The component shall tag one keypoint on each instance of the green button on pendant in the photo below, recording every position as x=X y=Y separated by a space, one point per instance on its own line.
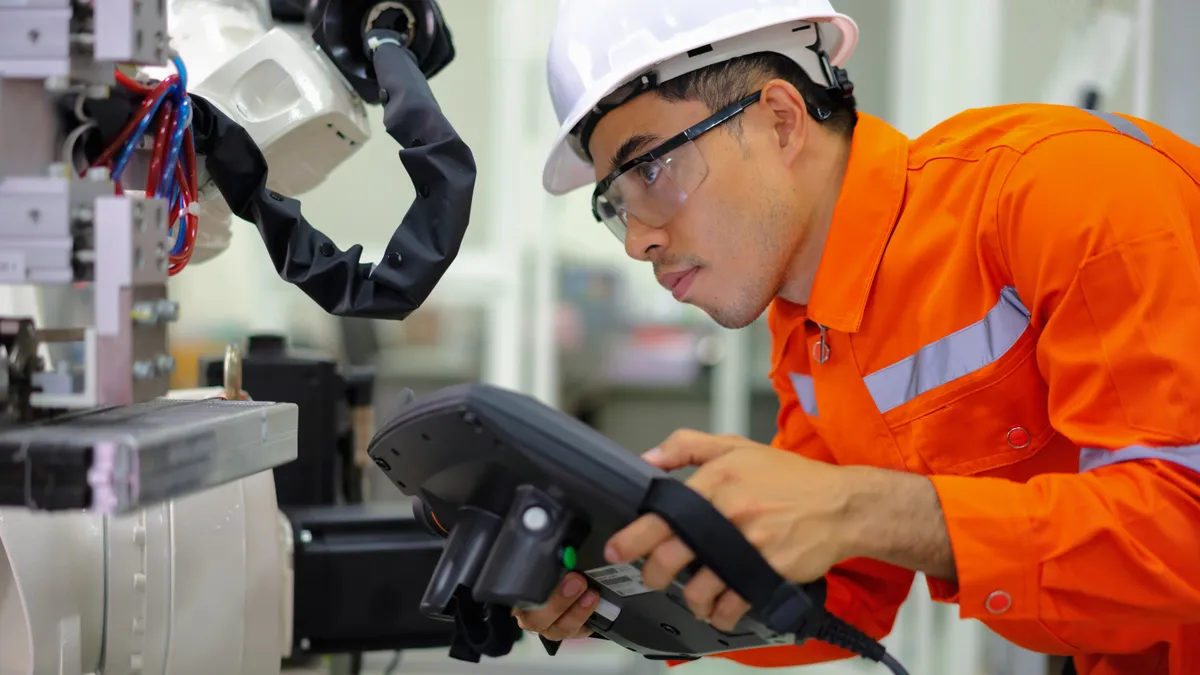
x=568 y=557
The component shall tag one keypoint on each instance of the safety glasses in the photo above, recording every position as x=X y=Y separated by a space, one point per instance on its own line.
x=651 y=187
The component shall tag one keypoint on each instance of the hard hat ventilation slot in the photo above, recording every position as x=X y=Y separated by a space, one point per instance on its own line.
x=700 y=50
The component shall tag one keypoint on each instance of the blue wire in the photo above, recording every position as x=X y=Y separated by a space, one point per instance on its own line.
x=136 y=138
x=183 y=119
x=175 y=194
x=180 y=223
x=183 y=76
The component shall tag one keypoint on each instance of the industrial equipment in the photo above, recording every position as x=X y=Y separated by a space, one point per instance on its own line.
x=142 y=530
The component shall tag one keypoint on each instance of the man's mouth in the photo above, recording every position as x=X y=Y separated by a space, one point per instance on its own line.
x=679 y=282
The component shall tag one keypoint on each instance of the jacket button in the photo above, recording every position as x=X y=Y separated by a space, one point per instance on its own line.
x=998 y=602
x=820 y=351
x=1018 y=437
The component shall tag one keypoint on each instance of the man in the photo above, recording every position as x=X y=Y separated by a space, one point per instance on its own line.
x=985 y=338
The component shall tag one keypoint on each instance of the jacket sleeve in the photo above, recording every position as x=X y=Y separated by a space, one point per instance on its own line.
x=867 y=593
x=1098 y=232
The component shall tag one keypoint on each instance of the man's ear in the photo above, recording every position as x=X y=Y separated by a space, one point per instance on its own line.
x=788 y=117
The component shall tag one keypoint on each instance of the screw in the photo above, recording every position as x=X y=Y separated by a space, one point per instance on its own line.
x=168 y=310
x=305 y=538
x=34 y=216
x=144 y=312
x=381 y=463
x=143 y=370
x=305 y=644
x=34 y=34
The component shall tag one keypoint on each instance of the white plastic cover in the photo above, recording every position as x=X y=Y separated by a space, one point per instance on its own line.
x=274 y=82
x=599 y=45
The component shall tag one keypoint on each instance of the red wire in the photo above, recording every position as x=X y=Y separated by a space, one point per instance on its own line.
x=185 y=166
x=162 y=140
x=132 y=84
x=127 y=131
x=187 y=182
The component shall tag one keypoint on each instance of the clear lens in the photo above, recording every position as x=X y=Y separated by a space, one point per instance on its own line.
x=652 y=192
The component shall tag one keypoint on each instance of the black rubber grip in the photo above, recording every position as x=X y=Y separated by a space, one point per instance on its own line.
x=715 y=541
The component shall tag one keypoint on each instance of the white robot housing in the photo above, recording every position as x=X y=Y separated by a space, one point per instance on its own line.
x=273 y=81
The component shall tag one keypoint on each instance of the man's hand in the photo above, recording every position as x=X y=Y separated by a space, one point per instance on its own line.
x=792 y=509
x=565 y=613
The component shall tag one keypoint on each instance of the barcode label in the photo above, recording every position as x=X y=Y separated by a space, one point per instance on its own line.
x=624 y=580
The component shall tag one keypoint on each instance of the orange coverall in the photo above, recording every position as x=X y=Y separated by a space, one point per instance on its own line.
x=1011 y=304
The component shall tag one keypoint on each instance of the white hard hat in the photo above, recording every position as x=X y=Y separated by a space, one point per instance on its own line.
x=599 y=46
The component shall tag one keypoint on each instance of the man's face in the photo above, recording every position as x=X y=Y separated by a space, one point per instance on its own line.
x=726 y=249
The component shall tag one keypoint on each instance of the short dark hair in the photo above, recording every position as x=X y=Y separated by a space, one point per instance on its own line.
x=721 y=84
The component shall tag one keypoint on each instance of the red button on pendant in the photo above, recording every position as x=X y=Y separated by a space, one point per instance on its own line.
x=1018 y=437
x=998 y=602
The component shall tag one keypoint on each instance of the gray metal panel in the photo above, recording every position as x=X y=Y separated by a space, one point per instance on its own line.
x=163 y=449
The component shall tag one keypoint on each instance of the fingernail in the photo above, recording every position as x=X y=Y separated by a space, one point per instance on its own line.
x=611 y=555
x=589 y=598
x=572 y=586
x=653 y=455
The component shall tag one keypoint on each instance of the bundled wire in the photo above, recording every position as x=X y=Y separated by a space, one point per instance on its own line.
x=166 y=112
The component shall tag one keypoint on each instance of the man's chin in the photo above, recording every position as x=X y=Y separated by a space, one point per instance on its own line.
x=731 y=319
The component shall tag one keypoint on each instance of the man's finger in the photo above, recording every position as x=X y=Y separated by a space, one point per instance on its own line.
x=686 y=448
x=665 y=563
x=569 y=590
x=571 y=624
x=637 y=540
x=702 y=592
x=730 y=609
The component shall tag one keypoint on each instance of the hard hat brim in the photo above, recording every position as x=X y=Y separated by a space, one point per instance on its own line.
x=565 y=171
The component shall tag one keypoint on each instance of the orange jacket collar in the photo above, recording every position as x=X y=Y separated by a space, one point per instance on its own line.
x=866 y=212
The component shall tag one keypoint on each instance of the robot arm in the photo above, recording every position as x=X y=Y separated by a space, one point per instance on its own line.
x=420 y=250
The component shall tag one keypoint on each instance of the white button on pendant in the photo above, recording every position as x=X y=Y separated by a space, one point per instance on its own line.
x=535 y=518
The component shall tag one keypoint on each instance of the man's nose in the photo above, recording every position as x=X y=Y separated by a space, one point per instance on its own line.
x=641 y=239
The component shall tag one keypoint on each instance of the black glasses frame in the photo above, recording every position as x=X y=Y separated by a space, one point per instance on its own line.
x=686 y=136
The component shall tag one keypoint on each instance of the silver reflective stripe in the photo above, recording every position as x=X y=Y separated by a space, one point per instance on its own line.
x=1185 y=456
x=803 y=384
x=1124 y=126
x=951 y=357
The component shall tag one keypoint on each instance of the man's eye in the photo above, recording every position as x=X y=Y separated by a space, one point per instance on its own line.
x=648 y=172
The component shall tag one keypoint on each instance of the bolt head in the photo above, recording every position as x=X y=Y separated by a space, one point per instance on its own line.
x=305 y=537
x=168 y=310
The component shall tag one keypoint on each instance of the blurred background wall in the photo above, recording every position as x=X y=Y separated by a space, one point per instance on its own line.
x=542 y=298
